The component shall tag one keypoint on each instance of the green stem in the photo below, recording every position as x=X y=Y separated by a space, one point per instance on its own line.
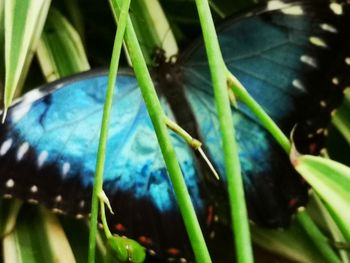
x=104 y=219
x=157 y=117
x=341 y=118
x=193 y=142
x=265 y=119
x=319 y=240
x=104 y=129
x=239 y=215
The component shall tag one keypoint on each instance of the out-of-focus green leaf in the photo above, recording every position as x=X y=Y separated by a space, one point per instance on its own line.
x=8 y=215
x=57 y=240
x=77 y=232
x=24 y=20
x=331 y=181
x=291 y=243
x=60 y=50
x=152 y=28
x=318 y=238
x=76 y=17
x=2 y=45
x=319 y=213
x=341 y=119
x=36 y=238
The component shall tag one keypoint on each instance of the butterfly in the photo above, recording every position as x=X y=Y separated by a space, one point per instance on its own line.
x=291 y=57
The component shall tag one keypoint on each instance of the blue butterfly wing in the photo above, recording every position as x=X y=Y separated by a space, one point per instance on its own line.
x=287 y=59
x=49 y=145
x=49 y=142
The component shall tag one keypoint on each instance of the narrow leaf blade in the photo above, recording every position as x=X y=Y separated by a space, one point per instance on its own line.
x=331 y=180
x=24 y=21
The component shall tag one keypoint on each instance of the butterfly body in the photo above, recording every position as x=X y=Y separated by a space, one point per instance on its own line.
x=49 y=141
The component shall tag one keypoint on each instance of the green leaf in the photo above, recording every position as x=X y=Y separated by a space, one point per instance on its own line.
x=76 y=17
x=151 y=32
x=331 y=181
x=24 y=21
x=2 y=44
x=37 y=238
x=9 y=209
x=60 y=50
x=126 y=250
x=341 y=119
x=77 y=232
x=291 y=243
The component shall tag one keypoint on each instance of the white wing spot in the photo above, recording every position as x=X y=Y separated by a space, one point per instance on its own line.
x=57 y=211
x=212 y=234
x=272 y=5
x=22 y=150
x=65 y=168
x=58 y=198
x=10 y=183
x=183 y=260
x=20 y=112
x=335 y=81
x=82 y=204
x=168 y=76
x=294 y=11
x=319 y=130
x=42 y=158
x=317 y=42
x=32 y=201
x=297 y=84
x=5 y=146
x=151 y=252
x=323 y=103
x=309 y=60
x=34 y=189
x=79 y=216
x=328 y=28
x=336 y=8
x=7 y=196
x=347 y=60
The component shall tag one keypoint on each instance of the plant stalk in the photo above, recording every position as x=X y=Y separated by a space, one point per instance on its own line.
x=239 y=215
x=97 y=189
x=157 y=117
x=265 y=119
